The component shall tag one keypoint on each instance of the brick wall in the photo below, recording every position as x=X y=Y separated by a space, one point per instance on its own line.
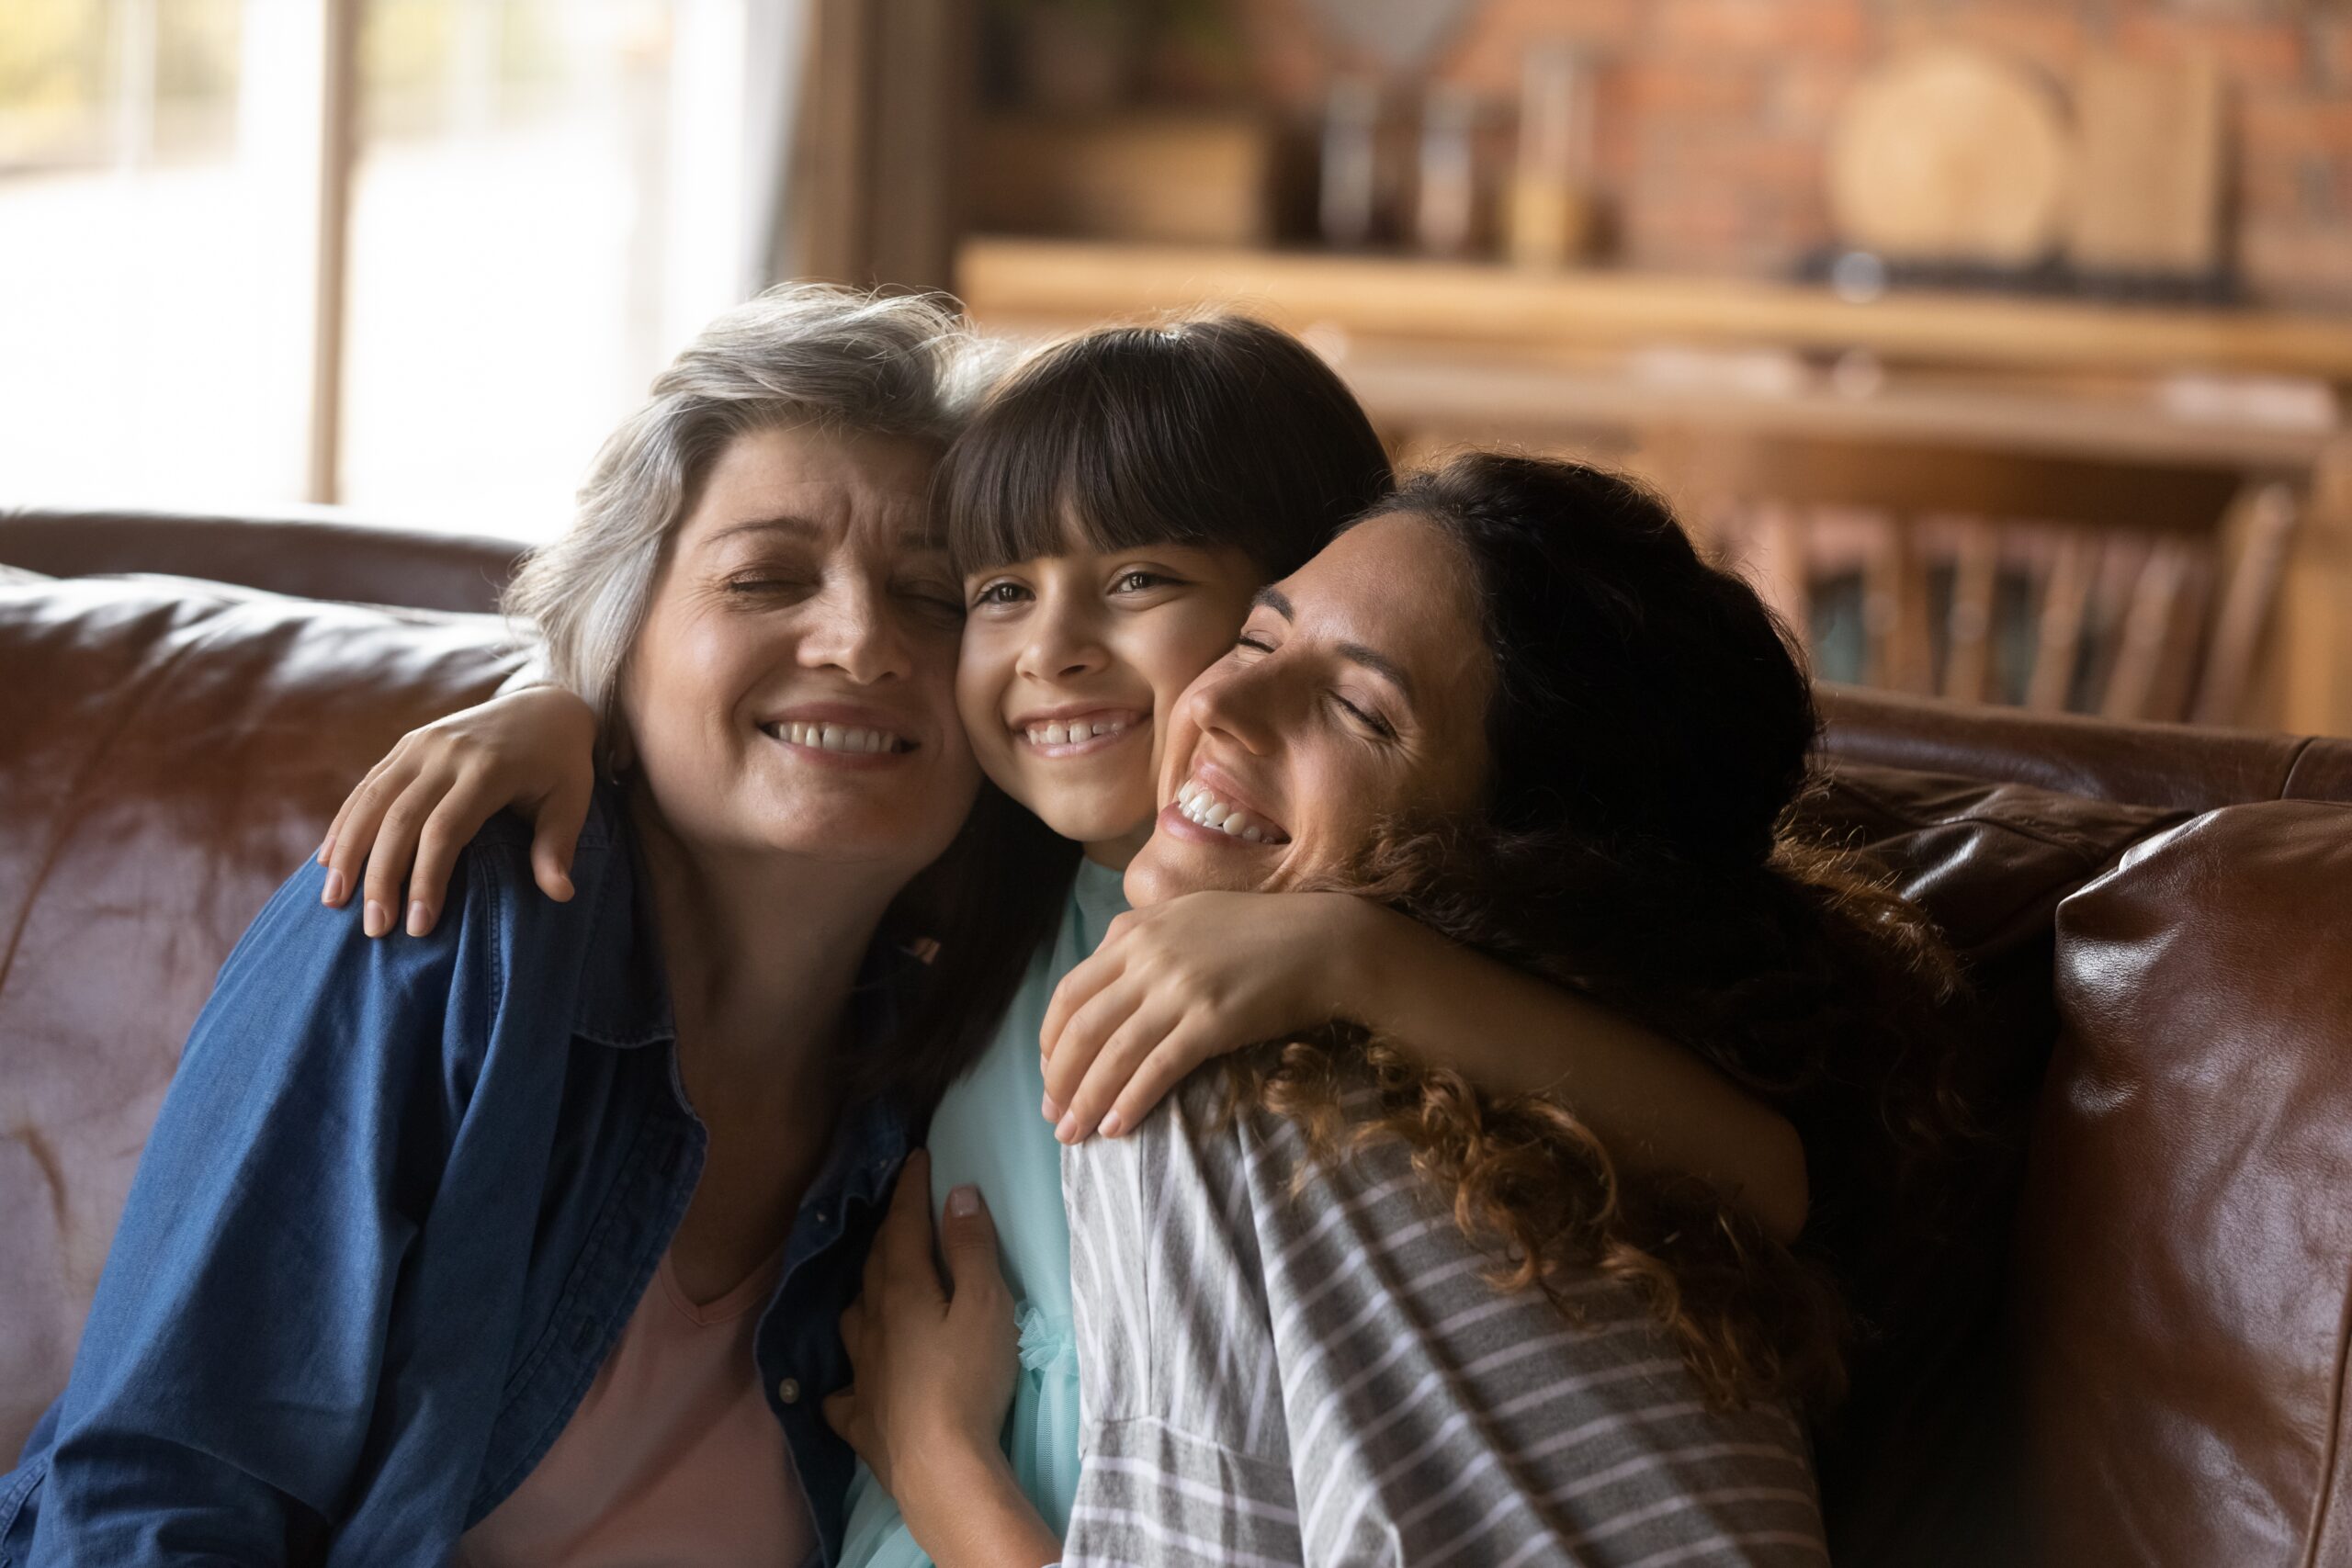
x=1715 y=112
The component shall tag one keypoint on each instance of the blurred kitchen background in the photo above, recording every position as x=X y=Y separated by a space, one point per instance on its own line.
x=2003 y=340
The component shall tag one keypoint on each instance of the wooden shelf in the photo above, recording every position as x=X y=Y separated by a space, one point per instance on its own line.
x=1012 y=280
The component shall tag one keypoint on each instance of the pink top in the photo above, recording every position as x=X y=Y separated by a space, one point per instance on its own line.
x=672 y=1457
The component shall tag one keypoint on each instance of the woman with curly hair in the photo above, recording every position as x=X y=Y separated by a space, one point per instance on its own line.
x=1338 y=1304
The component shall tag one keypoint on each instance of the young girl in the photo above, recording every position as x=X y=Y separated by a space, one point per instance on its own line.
x=1113 y=508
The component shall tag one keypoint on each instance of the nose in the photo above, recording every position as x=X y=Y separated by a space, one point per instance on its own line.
x=855 y=628
x=1239 y=703
x=1063 y=642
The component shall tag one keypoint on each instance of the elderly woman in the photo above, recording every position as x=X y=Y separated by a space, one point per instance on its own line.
x=461 y=1247
x=1335 y=1306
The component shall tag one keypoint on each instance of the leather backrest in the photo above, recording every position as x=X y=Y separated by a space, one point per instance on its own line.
x=317 y=552
x=1917 y=1467
x=169 y=752
x=2187 y=1249
x=2179 y=765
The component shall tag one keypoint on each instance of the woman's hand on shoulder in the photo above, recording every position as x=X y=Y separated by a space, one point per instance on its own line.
x=532 y=750
x=933 y=1368
x=1179 y=983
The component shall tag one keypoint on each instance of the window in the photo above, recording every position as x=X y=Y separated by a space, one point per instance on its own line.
x=544 y=197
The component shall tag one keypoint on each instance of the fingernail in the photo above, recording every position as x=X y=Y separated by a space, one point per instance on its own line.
x=326 y=847
x=1067 y=1128
x=964 y=1203
x=420 y=919
x=332 y=892
x=1111 y=1125
x=1051 y=1108
x=375 y=919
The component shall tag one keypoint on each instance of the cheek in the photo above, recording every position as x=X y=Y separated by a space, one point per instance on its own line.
x=980 y=678
x=1175 y=658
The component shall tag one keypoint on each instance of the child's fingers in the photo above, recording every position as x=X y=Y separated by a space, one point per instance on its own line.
x=353 y=833
x=344 y=808
x=445 y=831
x=393 y=854
x=555 y=836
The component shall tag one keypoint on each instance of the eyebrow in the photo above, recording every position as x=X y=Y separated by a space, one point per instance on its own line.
x=1379 y=663
x=928 y=540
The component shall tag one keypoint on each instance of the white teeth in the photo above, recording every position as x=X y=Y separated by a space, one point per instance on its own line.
x=1067 y=734
x=1195 y=801
x=839 y=738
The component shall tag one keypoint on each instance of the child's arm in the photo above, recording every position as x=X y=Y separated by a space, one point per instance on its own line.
x=1205 y=974
x=531 y=748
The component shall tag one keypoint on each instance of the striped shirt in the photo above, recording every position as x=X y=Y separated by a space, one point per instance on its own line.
x=1272 y=1377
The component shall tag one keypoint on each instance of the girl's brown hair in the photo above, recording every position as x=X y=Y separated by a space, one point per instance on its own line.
x=1215 y=431
x=1649 y=736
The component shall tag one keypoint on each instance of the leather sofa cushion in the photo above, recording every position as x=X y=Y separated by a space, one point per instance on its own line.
x=169 y=751
x=1917 y=1468
x=2188 y=1237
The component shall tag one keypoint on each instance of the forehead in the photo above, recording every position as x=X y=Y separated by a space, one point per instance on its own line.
x=843 y=486
x=1399 y=585
x=1399 y=574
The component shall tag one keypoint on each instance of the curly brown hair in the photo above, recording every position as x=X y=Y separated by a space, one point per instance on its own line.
x=1649 y=736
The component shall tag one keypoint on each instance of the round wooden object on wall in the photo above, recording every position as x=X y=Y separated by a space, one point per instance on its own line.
x=1949 y=153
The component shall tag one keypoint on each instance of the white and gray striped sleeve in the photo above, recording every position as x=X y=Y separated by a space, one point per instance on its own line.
x=1285 y=1373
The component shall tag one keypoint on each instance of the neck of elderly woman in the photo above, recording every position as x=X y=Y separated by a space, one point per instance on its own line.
x=762 y=949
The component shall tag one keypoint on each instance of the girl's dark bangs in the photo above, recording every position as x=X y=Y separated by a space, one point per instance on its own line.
x=1050 y=469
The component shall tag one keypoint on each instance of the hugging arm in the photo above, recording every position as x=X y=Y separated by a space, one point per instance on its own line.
x=531 y=748
x=1179 y=982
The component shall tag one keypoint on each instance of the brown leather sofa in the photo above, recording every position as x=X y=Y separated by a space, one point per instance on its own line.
x=2139 y=1353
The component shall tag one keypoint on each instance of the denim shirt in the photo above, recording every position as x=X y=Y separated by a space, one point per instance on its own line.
x=399 y=1204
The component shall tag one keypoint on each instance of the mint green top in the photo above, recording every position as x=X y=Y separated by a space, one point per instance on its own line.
x=990 y=1132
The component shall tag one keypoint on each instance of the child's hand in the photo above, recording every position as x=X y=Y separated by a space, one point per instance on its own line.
x=935 y=1370
x=1181 y=982
x=534 y=751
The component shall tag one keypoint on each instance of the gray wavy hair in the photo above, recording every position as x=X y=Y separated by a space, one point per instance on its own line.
x=800 y=353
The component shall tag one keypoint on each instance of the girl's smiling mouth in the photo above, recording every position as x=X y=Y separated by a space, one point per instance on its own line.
x=1084 y=733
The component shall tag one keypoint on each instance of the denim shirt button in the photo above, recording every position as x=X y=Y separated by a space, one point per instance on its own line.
x=788 y=1390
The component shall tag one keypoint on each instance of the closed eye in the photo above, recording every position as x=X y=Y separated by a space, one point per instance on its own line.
x=1370 y=720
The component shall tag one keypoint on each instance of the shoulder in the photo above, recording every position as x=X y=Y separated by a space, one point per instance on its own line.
x=302 y=967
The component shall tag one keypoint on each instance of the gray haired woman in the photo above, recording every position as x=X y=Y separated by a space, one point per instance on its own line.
x=453 y=1249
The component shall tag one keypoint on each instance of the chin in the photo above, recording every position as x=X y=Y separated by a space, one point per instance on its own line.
x=1162 y=871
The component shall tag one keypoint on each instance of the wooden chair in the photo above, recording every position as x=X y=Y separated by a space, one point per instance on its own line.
x=2150 y=588
x=2059 y=582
